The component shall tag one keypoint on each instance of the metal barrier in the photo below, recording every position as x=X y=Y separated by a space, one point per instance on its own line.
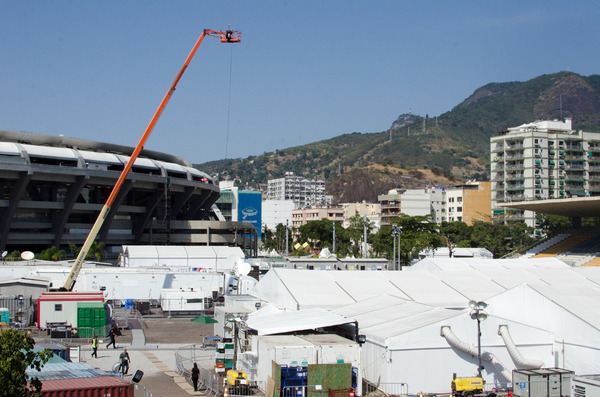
x=208 y=380
x=392 y=389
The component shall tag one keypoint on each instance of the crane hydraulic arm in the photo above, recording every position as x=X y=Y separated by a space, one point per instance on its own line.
x=228 y=36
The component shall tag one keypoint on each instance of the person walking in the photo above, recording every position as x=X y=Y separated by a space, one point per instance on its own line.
x=111 y=335
x=195 y=375
x=95 y=347
x=124 y=357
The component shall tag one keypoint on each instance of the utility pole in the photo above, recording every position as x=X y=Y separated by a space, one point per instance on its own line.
x=334 y=237
x=365 y=236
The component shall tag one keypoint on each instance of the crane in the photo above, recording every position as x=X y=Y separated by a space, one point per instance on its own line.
x=227 y=36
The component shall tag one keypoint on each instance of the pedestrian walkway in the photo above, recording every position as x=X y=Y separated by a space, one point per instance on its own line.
x=179 y=380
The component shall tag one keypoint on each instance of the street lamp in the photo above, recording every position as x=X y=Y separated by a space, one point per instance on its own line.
x=397 y=232
x=478 y=314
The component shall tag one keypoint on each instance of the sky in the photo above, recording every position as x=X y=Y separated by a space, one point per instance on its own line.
x=306 y=70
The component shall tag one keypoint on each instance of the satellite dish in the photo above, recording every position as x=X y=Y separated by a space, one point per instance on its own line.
x=4 y=254
x=27 y=255
x=244 y=268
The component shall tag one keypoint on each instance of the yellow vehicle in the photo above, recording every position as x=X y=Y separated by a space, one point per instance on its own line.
x=466 y=387
x=236 y=377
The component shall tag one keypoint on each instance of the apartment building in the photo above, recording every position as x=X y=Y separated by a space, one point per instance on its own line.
x=302 y=191
x=302 y=216
x=371 y=210
x=468 y=202
x=542 y=160
x=390 y=206
x=459 y=203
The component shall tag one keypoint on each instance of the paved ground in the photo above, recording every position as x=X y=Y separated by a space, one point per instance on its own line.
x=152 y=345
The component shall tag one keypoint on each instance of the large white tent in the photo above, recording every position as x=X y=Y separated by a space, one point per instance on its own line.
x=418 y=325
x=209 y=258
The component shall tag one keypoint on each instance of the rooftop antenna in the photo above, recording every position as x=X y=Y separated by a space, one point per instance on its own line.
x=560 y=104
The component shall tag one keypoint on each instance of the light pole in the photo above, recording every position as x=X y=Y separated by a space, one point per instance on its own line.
x=287 y=251
x=399 y=250
x=394 y=249
x=334 y=237
x=397 y=232
x=365 y=236
x=478 y=314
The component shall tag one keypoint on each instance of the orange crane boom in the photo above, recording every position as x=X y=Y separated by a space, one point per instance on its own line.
x=228 y=36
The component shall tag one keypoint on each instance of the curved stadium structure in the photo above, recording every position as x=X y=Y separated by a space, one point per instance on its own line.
x=53 y=188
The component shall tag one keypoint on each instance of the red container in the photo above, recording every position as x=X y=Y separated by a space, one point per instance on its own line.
x=88 y=387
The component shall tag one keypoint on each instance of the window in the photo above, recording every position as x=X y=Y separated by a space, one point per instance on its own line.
x=459 y=209
x=58 y=307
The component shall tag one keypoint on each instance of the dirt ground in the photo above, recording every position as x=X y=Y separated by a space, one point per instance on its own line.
x=156 y=330
x=175 y=330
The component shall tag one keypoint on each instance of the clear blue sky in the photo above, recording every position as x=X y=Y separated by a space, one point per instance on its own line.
x=305 y=70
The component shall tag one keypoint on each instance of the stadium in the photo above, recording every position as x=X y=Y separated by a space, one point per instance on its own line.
x=54 y=187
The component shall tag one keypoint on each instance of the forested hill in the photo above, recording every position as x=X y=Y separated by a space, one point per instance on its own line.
x=453 y=146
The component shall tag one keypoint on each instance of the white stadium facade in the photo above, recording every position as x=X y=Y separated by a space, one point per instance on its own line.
x=53 y=188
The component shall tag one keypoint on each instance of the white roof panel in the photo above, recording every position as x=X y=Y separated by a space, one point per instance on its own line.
x=51 y=152
x=139 y=162
x=382 y=332
x=426 y=287
x=382 y=309
x=9 y=148
x=371 y=284
x=102 y=158
x=309 y=287
x=581 y=300
x=480 y=286
x=299 y=320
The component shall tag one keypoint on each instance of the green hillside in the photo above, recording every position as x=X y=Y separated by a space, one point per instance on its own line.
x=454 y=144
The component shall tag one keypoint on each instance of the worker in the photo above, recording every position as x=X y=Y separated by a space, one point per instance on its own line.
x=95 y=347
x=124 y=358
x=492 y=393
x=112 y=334
x=195 y=376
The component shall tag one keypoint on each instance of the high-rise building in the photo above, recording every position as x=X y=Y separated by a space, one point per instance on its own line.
x=302 y=191
x=542 y=160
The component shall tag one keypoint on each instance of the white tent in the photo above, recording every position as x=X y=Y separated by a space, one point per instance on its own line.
x=418 y=325
x=207 y=258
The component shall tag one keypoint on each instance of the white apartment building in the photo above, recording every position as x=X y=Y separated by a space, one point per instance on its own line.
x=302 y=191
x=275 y=212
x=459 y=203
x=542 y=160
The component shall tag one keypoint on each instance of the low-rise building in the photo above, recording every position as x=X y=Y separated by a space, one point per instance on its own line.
x=304 y=215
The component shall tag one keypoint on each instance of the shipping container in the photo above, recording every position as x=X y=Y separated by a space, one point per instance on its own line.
x=61 y=307
x=543 y=382
x=99 y=386
x=91 y=319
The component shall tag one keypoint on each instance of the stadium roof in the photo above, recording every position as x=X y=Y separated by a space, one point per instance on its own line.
x=574 y=207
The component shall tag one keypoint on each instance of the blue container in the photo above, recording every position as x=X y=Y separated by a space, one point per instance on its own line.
x=4 y=315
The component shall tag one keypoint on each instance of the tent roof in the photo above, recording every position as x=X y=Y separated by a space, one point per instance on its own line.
x=482 y=263
x=299 y=320
x=451 y=289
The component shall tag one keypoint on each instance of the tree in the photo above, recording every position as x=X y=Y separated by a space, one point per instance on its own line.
x=16 y=355
x=418 y=234
x=553 y=224
x=97 y=250
x=52 y=254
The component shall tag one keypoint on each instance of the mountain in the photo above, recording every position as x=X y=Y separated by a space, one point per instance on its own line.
x=421 y=151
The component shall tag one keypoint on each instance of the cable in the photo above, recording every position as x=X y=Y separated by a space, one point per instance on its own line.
x=229 y=103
